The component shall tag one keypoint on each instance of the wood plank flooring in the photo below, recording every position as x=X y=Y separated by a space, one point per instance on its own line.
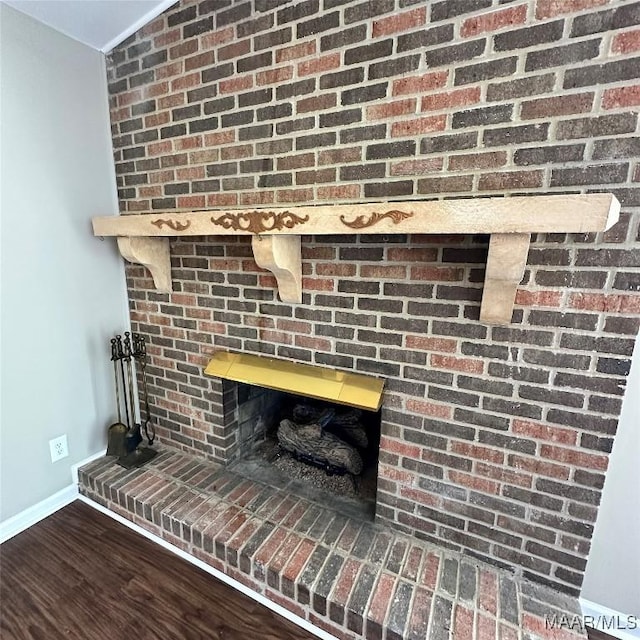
x=80 y=574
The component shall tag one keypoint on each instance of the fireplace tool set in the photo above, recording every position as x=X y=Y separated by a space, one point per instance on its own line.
x=124 y=438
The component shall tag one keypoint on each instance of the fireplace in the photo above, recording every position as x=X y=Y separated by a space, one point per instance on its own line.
x=494 y=439
x=317 y=426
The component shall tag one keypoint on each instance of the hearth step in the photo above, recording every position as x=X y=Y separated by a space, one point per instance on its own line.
x=352 y=578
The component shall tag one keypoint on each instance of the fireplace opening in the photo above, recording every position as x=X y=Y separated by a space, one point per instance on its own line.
x=316 y=448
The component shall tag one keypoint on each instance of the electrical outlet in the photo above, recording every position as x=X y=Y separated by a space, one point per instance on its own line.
x=59 y=448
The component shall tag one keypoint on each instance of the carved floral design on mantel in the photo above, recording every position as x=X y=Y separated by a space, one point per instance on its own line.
x=176 y=225
x=364 y=221
x=259 y=221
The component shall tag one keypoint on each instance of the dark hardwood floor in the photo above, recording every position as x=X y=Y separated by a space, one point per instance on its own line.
x=80 y=574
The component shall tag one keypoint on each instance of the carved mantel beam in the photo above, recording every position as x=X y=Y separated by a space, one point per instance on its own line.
x=526 y=214
x=276 y=233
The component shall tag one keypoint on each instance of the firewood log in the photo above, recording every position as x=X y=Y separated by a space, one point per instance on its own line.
x=345 y=425
x=316 y=443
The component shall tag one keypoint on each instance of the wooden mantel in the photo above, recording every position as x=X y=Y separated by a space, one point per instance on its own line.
x=276 y=233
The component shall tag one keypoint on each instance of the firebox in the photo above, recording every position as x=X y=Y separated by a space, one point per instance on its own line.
x=312 y=429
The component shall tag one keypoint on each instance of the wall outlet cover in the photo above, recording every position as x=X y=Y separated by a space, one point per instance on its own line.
x=59 y=448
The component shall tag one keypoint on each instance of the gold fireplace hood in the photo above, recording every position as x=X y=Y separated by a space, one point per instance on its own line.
x=341 y=387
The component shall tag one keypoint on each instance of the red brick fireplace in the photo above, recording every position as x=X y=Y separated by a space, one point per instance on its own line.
x=495 y=440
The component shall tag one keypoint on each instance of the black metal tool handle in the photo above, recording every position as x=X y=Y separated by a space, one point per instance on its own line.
x=127 y=359
x=120 y=356
x=114 y=358
x=141 y=356
x=139 y=346
x=133 y=437
x=114 y=350
x=127 y=346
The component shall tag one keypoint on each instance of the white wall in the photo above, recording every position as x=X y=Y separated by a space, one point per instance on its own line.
x=63 y=291
x=612 y=578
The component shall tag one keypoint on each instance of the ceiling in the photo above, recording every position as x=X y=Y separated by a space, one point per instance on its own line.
x=100 y=24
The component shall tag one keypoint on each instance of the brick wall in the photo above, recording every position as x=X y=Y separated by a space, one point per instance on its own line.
x=494 y=440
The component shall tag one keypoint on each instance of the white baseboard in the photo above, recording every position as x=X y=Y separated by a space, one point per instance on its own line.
x=606 y=620
x=25 y=519
x=276 y=608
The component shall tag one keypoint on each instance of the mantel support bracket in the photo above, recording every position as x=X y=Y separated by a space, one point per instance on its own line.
x=506 y=263
x=282 y=255
x=152 y=253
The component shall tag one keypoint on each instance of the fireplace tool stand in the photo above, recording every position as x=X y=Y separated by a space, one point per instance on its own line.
x=124 y=442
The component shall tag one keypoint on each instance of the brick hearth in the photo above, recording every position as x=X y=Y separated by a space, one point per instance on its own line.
x=352 y=578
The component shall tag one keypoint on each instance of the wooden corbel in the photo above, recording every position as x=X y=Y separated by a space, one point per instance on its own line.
x=506 y=263
x=282 y=255
x=152 y=253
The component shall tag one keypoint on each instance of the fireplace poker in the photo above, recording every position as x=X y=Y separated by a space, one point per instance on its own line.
x=120 y=356
x=140 y=354
x=133 y=437
x=117 y=430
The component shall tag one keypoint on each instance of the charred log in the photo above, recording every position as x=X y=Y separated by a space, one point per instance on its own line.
x=314 y=442
x=346 y=425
